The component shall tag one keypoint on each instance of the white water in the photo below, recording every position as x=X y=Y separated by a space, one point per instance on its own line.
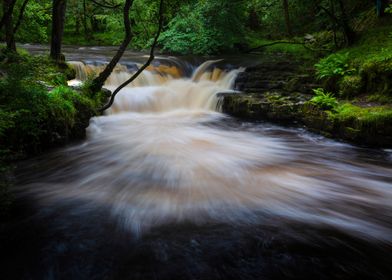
x=159 y=156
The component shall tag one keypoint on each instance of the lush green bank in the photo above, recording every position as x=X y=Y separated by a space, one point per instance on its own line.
x=346 y=95
x=362 y=125
x=38 y=110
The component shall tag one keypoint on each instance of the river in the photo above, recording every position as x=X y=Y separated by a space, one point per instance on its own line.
x=167 y=187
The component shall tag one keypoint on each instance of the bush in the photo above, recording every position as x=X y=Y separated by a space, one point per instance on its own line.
x=324 y=100
x=333 y=66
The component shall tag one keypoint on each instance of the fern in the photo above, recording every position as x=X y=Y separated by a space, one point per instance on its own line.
x=324 y=100
x=334 y=65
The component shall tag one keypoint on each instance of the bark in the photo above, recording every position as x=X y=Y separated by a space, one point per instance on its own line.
x=85 y=27
x=20 y=17
x=146 y=64
x=58 y=18
x=349 y=33
x=334 y=25
x=380 y=7
x=287 y=17
x=8 y=6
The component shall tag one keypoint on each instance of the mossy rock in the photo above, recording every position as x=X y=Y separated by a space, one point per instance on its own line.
x=377 y=75
x=351 y=86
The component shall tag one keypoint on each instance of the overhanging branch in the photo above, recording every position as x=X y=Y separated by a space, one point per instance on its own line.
x=145 y=65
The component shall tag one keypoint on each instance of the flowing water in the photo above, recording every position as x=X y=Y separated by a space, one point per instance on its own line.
x=167 y=187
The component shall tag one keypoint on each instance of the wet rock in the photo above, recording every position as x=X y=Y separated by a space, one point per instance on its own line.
x=294 y=109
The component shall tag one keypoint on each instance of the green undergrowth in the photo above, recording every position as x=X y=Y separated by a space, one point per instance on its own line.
x=376 y=115
x=38 y=110
x=362 y=69
x=346 y=112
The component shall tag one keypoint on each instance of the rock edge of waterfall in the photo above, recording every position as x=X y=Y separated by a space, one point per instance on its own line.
x=280 y=91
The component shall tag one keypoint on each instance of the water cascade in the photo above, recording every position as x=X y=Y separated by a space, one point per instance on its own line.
x=164 y=155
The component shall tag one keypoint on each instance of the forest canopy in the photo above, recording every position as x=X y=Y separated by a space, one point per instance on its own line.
x=199 y=26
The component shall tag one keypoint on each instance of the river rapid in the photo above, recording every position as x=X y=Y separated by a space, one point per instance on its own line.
x=167 y=187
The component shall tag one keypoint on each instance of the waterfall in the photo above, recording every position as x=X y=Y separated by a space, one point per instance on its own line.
x=164 y=88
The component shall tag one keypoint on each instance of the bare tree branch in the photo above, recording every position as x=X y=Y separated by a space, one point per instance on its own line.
x=105 y=5
x=272 y=44
x=304 y=44
x=141 y=69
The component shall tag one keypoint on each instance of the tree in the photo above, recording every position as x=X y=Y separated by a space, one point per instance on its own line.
x=7 y=22
x=205 y=27
x=58 y=18
x=380 y=7
x=349 y=33
x=8 y=9
x=98 y=82
x=287 y=17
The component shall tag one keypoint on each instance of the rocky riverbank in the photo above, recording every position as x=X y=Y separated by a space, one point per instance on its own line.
x=281 y=91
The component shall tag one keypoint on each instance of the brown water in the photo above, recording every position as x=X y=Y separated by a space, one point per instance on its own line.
x=166 y=187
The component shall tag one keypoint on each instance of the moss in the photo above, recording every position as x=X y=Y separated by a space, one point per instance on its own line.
x=350 y=86
x=35 y=114
x=377 y=73
x=379 y=98
x=370 y=125
x=375 y=116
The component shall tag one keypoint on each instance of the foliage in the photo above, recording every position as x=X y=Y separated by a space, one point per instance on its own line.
x=203 y=28
x=35 y=24
x=388 y=9
x=324 y=100
x=31 y=116
x=334 y=65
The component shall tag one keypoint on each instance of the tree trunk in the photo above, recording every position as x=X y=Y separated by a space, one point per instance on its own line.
x=98 y=82
x=85 y=27
x=287 y=17
x=349 y=33
x=380 y=7
x=8 y=8
x=145 y=65
x=58 y=18
x=334 y=27
x=20 y=17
